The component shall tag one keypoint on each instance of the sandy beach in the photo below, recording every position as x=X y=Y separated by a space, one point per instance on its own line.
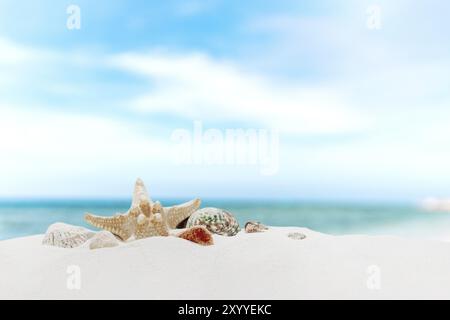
x=267 y=265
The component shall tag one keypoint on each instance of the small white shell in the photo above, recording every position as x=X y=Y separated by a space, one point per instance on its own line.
x=296 y=235
x=103 y=239
x=66 y=236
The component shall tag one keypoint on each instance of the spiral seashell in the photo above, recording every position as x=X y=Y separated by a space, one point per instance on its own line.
x=216 y=220
x=255 y=226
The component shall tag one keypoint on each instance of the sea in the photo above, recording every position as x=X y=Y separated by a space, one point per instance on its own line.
x=19 y=218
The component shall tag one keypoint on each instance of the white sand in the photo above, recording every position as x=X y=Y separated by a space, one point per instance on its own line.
x=249 y=266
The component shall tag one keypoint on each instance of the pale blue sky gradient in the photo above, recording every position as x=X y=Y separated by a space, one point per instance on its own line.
x=362 y=114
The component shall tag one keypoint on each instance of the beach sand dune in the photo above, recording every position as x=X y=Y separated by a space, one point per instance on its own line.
x=267 y=265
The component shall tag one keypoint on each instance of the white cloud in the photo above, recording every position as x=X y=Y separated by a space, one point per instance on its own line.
x=404 y=144
x=39 y=146
x=41 y=132
x=42 y=68
x=199 y=87
x=15 y=59
x=15 y=54
x=12 y=53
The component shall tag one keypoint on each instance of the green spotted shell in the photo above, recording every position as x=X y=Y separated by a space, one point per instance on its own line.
x=217 y=221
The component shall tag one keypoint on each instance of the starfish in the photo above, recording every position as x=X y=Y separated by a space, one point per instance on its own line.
x=145 y=218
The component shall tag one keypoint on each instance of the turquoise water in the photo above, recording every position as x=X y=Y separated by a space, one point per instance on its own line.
x=22 y=218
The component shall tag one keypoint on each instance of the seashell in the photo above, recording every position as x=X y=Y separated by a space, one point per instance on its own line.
x=103 y=239
x=198 y=234
x=216 y=220
x=296 y=236
x=255 y=226
x=66 y=236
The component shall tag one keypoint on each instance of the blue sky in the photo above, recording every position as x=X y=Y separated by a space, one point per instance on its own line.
x=361 y=113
